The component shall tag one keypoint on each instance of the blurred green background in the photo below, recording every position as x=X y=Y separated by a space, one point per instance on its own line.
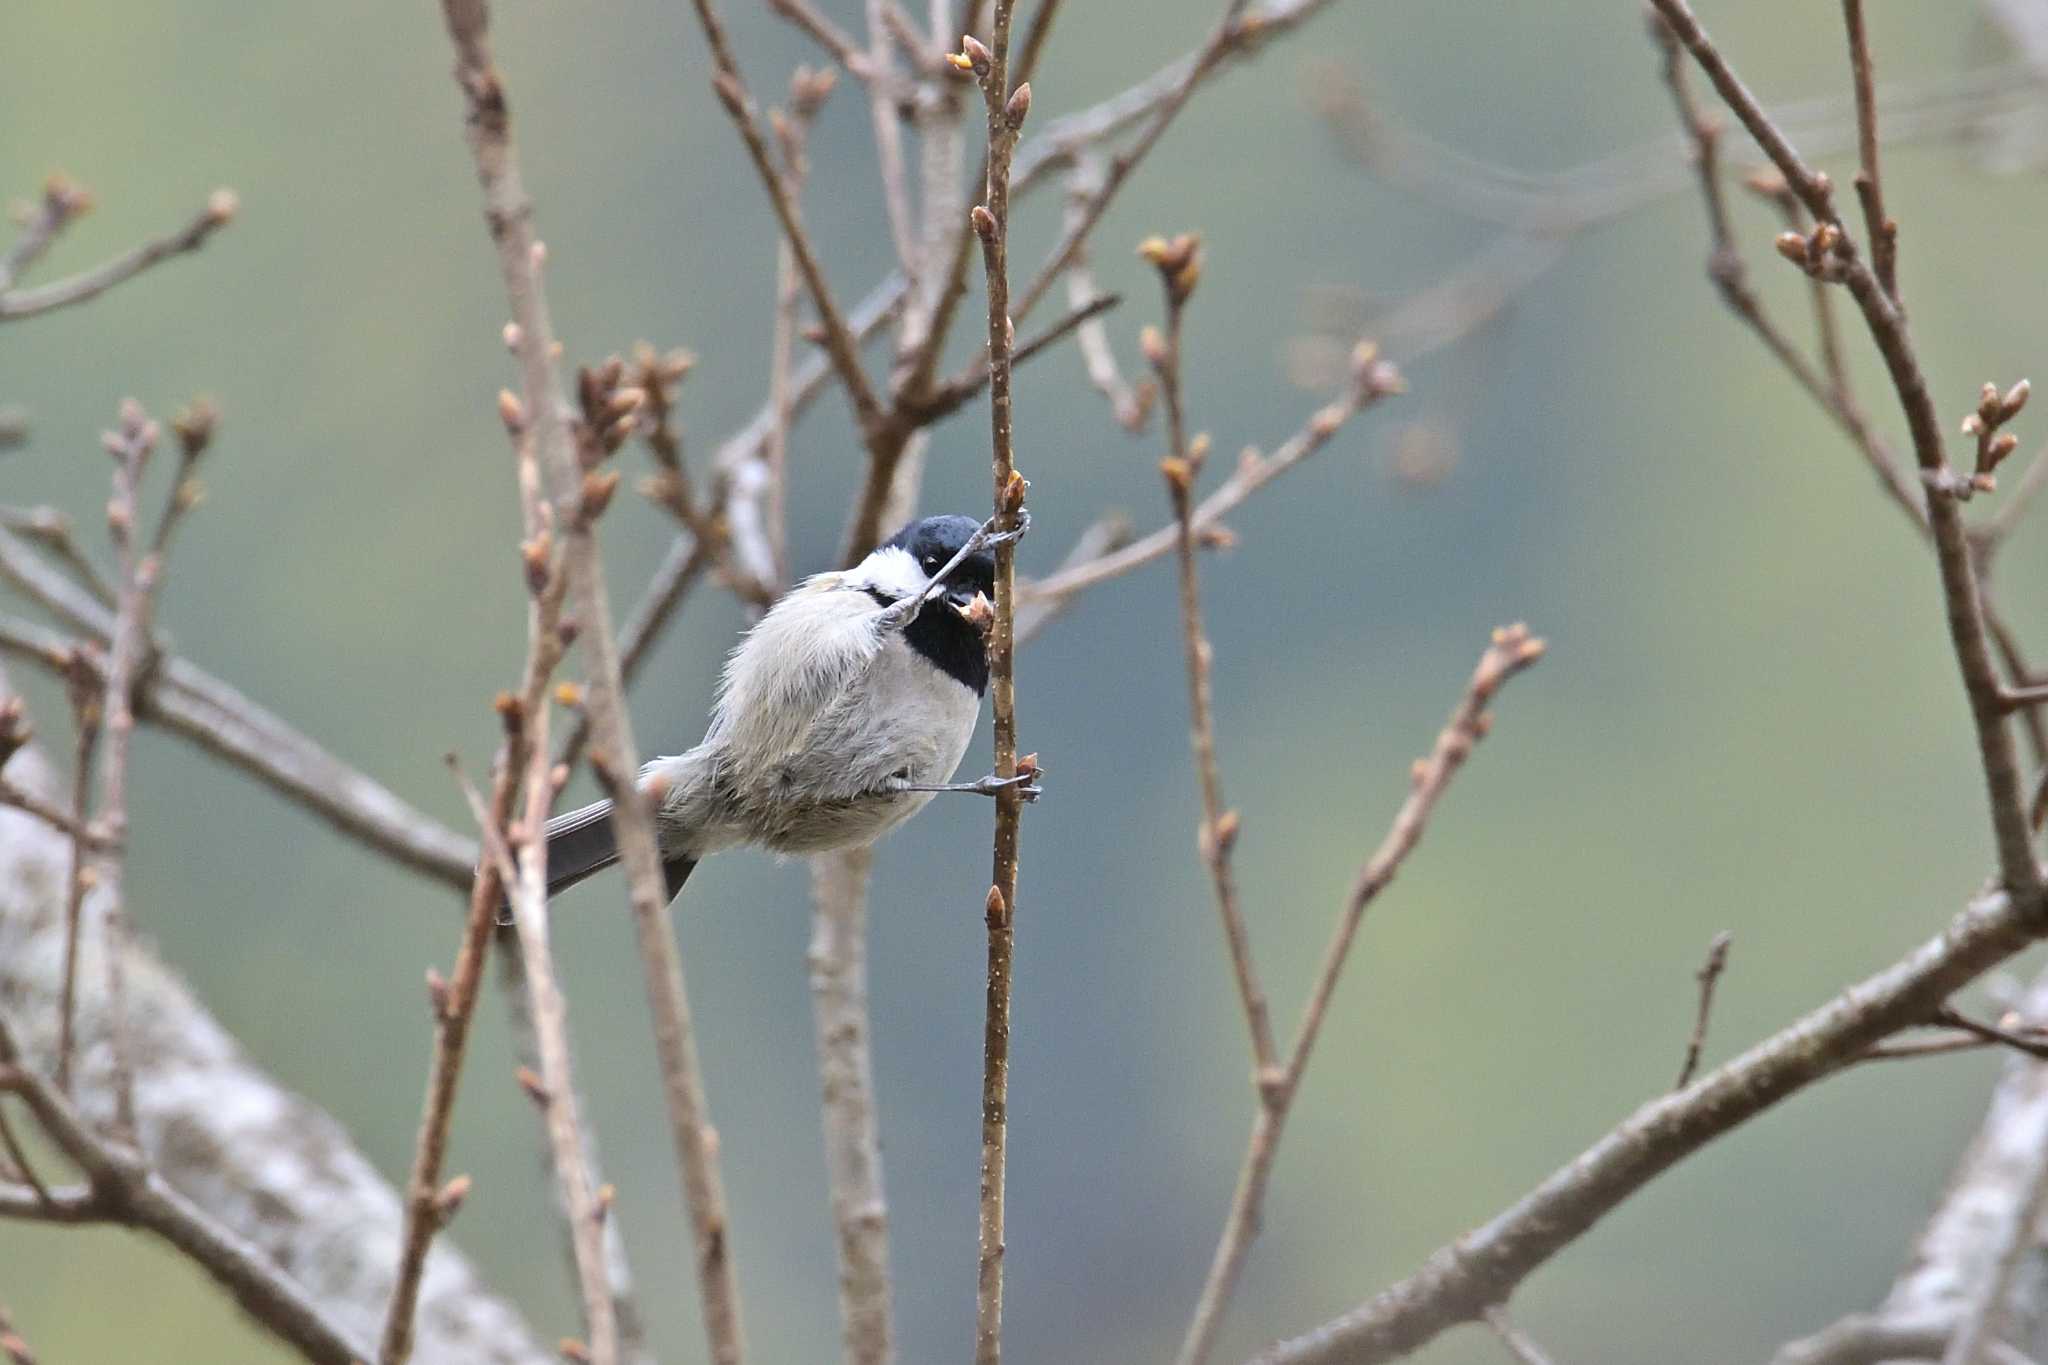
x=1749 y=719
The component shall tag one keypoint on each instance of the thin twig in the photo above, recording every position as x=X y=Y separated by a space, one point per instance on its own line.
x=1006 y=109
x=1518 y=1343
x=1372 y=380
x=63 y=201
x=1708 y=974
x=87 y=702
x=1834 y=254
x=52 y=529
x=1179 y=264
x=1512 y=650
x=613 y=754
x=12 y=1344
x=131 y=445
x=23 y=303
x=1882 y=231
x=840 y=343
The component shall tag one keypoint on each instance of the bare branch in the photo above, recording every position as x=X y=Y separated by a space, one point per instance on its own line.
x=853 y=1149
x=1834 y=255
x=1708 y=974
x=23 y=303
x=1006 y=109
x=121 y=1188
x=1511 y=651
x=519 y=257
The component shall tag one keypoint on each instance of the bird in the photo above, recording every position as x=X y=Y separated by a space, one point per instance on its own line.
x=839 y=715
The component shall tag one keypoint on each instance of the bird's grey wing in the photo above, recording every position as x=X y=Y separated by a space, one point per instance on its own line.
x=810 y=650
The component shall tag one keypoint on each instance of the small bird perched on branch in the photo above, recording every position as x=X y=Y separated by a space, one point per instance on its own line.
x=839 y=715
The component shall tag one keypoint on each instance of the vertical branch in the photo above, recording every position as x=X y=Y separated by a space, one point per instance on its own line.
x=546 y=643
x=81 y=683
x=1883 y=232
x=576 y=482
x=853 y=1149
x=131 y=445
x=1179 y=263
x=991 y=220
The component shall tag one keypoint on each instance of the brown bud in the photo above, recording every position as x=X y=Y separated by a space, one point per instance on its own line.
x=448 y=1200
x=1227 y=826
x=598 y=487
x=996 y=909
x=1019 y=107
x=815 y=333
x=512 y=336
x=437 y=994
x=1198 y=449
x=1216 y=536
x=2015 y=399
x=984 y=222
x=1179 y=475
x=222 y=206
x=1792 y=247
x=1324 y=424
x=1152 y=345
x=607 y=1195
x=1767 y=184
x=530 y=1081
x=533 y=557
x=1973 y=424
x=2002 y=445
x=194 y=424
x=511 y=411
x=508 y=709
x=568 y=694
x=573 y=1351
x=978 y=55
x=1013 y=493
x=1364 y=356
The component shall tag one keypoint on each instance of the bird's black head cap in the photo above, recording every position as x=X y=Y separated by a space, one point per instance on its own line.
x=939 y=632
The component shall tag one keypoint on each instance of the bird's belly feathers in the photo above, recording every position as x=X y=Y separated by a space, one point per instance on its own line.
x=902 y=720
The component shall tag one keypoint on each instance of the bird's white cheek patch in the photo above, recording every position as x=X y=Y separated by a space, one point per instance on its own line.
x=892 y=571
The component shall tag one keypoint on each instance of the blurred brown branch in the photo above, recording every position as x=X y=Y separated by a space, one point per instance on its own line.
x=62 y=202
x=579 y=490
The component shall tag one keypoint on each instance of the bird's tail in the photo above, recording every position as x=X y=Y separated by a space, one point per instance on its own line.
x=581 y=842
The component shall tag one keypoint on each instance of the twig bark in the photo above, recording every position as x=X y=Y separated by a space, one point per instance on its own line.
x=1512 y=650
x=1006 y=110
x=1518 y=1343
x=25 y=303
x=1179 y=264
x=853 y=1149
x=1484 y=1266
x=1708 y=974
x=121 y=1188
x=1835 y=255
x=509 y=214
x=278 y=1173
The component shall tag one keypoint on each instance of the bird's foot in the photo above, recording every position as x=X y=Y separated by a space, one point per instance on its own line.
x=1025 y=783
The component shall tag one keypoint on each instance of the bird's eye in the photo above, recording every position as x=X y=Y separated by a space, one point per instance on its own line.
x=931 y=563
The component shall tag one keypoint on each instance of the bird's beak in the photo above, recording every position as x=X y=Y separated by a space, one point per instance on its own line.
x=960 y=596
